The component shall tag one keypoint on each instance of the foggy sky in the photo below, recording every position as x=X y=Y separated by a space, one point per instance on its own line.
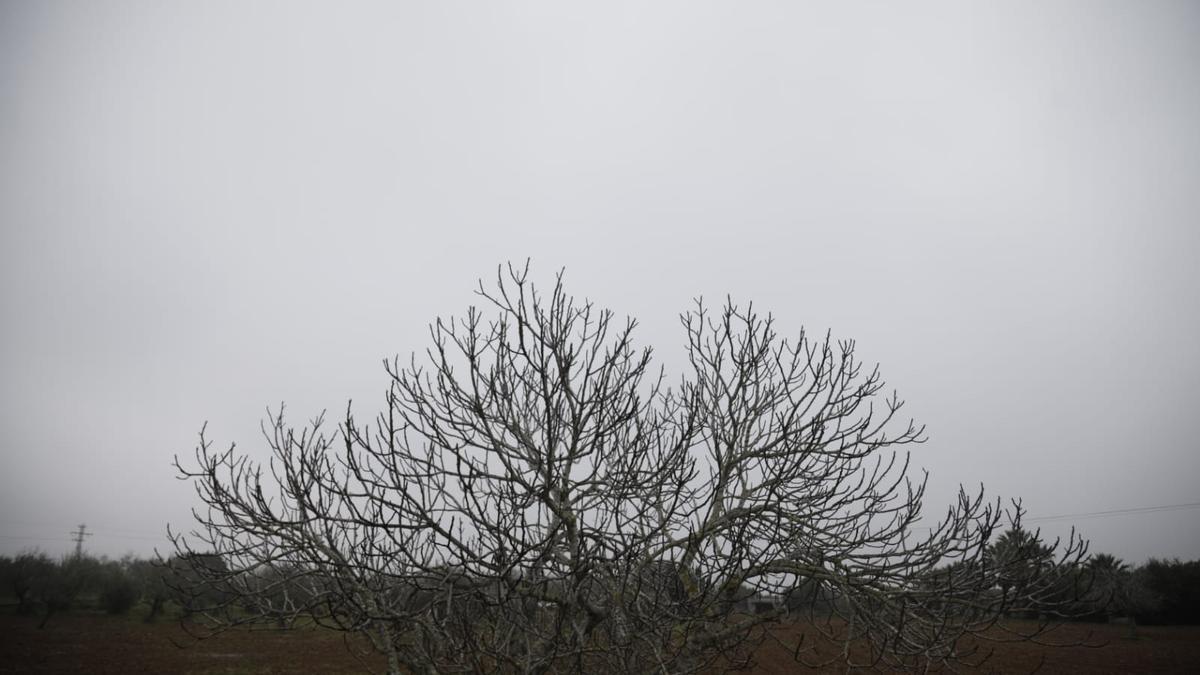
x=209 y=208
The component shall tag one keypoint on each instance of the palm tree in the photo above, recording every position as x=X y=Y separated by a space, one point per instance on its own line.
x=1018 y=554
x=1107 y=564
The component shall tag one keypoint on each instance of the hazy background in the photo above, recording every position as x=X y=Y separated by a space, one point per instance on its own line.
x=211 y=207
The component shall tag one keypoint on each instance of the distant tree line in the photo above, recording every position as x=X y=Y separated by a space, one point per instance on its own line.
x=1103 y=588
x=36 y=585
x=1158 y=592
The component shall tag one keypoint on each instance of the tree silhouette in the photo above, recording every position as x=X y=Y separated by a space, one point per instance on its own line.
x=1020 y=555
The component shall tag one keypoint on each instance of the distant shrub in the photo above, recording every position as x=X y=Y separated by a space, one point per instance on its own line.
x=1177 y=584
x=119 y=593
x=61 y=589
x=24 y=576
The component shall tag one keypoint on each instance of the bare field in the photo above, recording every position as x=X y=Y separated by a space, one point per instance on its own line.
x=1090 y=648
x=94 y=643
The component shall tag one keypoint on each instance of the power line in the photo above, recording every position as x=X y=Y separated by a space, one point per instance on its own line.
x=77 y=536
x=1089 y=515
x=106 y=535
x=17 y=536
x=104 y=532
x=120 y=533
x=1086 y=515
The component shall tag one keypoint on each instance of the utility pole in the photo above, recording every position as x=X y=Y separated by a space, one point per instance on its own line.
x=78 y=536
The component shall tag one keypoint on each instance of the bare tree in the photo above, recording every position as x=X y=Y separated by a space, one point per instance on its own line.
x=535 y=498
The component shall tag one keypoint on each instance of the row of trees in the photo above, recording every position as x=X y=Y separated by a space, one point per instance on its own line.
x=37 y=585
x=1103 y=588
x=1158 y=592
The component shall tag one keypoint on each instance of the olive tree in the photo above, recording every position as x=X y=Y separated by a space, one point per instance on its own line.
x=536 y=497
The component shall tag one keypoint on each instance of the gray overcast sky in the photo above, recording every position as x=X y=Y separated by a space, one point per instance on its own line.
x=211 y=207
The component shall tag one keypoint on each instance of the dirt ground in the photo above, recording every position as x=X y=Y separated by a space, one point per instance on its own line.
x=94 y=643
x=1081 y=648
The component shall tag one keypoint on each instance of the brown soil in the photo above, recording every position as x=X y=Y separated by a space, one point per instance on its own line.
x=94 y=643
x=1069 y=648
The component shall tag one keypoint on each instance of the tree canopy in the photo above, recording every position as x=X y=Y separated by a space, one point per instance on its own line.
x=536 y=497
